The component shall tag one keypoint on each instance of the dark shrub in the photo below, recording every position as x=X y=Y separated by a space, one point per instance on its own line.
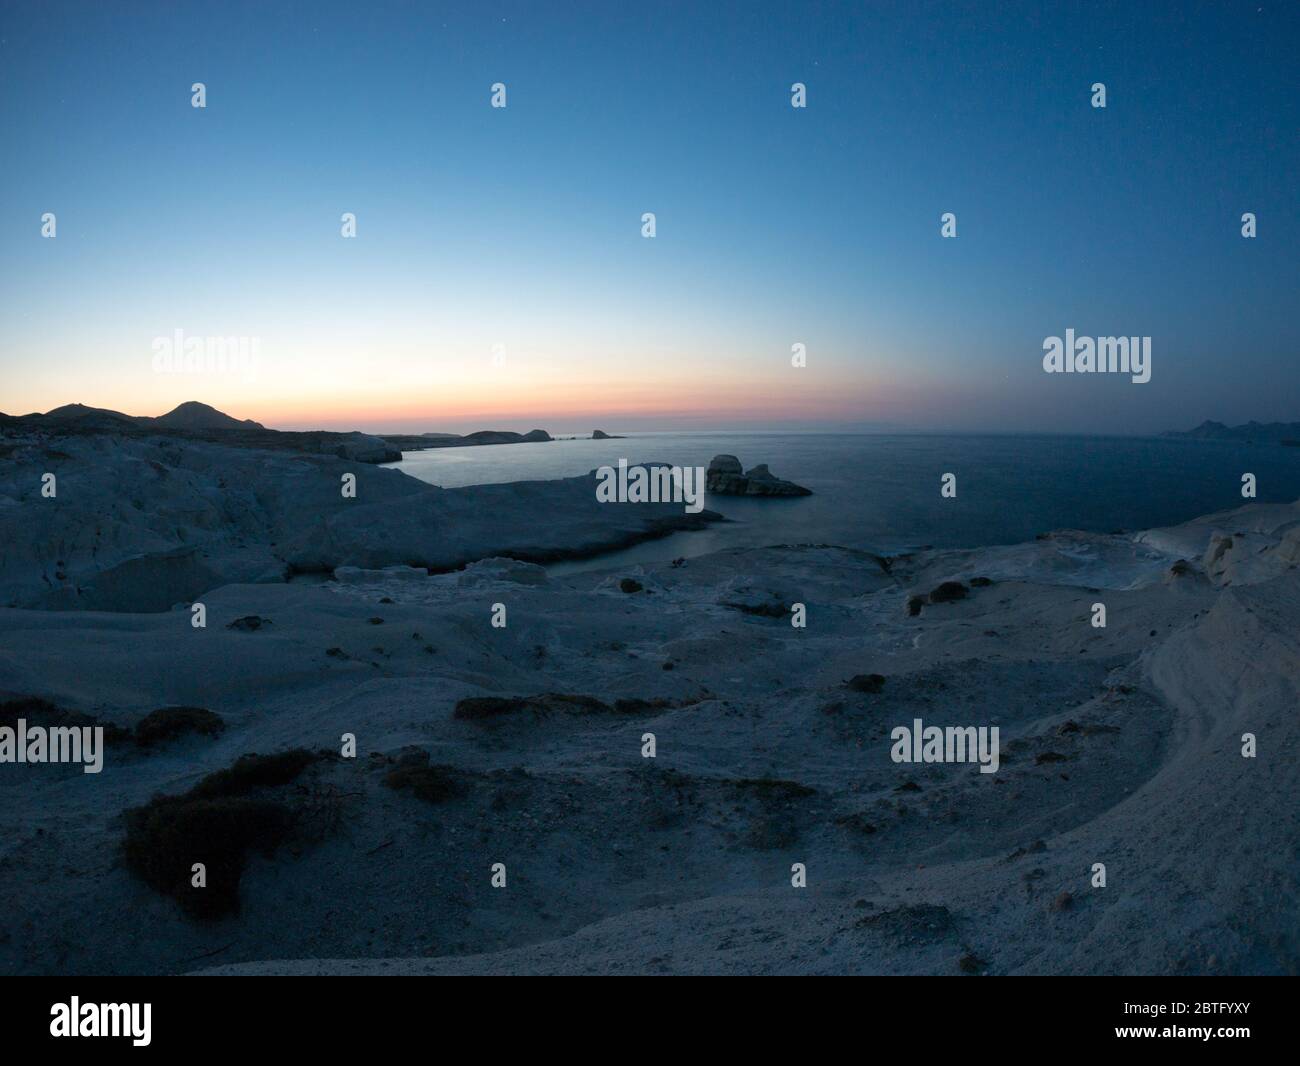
x=632 y=705
x=167 y=723
x=254 y=771
x=166 y=836
x=41 y=712
x=476 y=708
x=774 y=788
x=763 y=610
x=948 y=591
x=215 y=823
x=433 y=784
x=563 y=701
x=916 y=924
x=866 y=682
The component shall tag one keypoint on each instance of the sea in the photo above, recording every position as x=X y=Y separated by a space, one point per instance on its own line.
x=882 y=492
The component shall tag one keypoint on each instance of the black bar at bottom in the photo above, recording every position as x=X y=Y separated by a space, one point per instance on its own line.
x=333 y=1015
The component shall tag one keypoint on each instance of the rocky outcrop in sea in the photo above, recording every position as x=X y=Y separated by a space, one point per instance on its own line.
x=726 y=477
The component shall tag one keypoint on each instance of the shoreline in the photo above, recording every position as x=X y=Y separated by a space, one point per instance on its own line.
x=146 y=524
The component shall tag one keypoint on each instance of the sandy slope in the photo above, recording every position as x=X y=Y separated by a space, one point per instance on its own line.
x=765 y=758
x=140 y=525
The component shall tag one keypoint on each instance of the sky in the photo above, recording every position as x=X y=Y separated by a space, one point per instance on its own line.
x=499 y=277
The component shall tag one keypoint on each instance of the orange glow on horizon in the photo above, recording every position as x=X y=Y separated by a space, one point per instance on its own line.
x=528 y=395
x=595 y=404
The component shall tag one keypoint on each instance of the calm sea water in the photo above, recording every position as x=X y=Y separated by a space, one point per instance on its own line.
x=882 y=492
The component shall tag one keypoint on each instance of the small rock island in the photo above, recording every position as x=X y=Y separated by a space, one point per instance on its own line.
x=726 y=477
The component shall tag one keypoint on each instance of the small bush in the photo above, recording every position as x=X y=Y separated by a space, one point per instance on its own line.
x=918 y=923
x=433 y=784
x=41 y=712
x=249 y=772
x=630 y=585
x=866 y=682
x=169 y=834
x=774 y=788
x=215 y=823
x=168 y=723
x=948 y=592
x=477 y=708
x=480 y=708
x=762 y=610
x=563 y=701
x=633 y=705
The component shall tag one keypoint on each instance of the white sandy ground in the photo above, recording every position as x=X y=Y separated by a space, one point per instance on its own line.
x=681 y=864
x=138 y=525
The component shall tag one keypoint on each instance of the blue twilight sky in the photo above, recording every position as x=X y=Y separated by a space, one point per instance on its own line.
x=499 y=276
